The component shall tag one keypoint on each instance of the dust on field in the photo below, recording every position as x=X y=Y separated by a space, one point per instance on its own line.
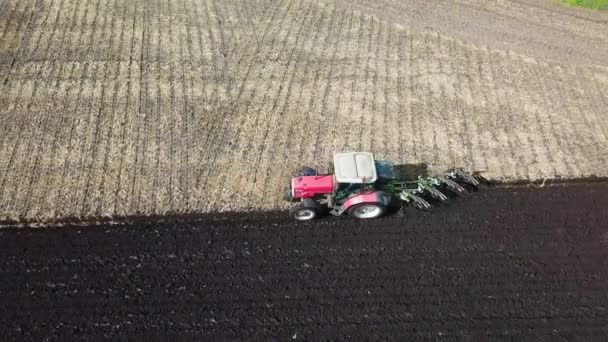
x=150 y=107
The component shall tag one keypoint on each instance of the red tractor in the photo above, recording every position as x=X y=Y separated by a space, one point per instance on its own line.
x=364 y=188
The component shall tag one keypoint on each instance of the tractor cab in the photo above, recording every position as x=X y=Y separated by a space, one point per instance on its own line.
x=351 y=188
x=354 y=173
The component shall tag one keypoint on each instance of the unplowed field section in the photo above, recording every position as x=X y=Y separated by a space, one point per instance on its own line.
x=501 y=265
x=147 y=107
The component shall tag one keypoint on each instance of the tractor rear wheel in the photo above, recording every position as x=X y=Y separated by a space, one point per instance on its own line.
x=304 y=211
x=367 y=210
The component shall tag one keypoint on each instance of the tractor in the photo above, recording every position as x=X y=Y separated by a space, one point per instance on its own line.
x=364 y=188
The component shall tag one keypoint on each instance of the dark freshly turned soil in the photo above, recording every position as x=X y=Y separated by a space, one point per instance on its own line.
x=502 y=264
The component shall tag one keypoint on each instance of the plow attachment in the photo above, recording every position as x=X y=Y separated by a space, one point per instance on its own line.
x=417 y=193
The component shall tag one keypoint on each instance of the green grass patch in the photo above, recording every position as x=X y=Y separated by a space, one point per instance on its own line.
x=595 y=4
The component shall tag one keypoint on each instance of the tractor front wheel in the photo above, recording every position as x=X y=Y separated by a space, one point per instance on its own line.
x=304 y=211
x=367 y=210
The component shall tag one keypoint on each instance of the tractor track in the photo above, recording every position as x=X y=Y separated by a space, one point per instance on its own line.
x=503 y=264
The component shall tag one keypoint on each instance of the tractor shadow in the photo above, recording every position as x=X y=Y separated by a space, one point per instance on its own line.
x=401 y=171
x=411 y=172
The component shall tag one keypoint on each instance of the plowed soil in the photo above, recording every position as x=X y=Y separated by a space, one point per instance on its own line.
x=140 y=107
x=501 y=265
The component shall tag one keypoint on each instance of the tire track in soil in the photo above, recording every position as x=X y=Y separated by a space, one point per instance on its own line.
x=460 y=138
x=572 y=147
x=254 y=186
x=555 y=144
x=503 y=139
x=391 y=111
x=295 y=131
x=156 y=146
x=50 y=194
x=487 y=135
x=164 y=117
x=443 y=153
x=17 y=158
x=24 y=156
x=181 y=100
x=7 y=152
x=152 y=62
x=420 y=110
x=272 y=185
x=364 y=107
x=28 y=174
x=505 y=109
x=584 y=79
x=313 y=96
x=409 y=66
x=141 y=111
x=475 y=271
x=346 y=142
x=100 y=119
x=461 y=103
x=96 y=178
x=201 y=118
x=21 y=49
x=105 y=205
x=80 y=77
x=590 y=118
x=372 y=108
x=120 y=191
x=61 y=206
x=247 y=130
x=225 y=129
x=188 y=102
x=26 y=33
x=76 y=177
x=339 y=122
x=480 y=159
x=319 y=152
x=44 y=160
x=532 y=132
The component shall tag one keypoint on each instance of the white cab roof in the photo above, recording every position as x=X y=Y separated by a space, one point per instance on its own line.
x=355 y=167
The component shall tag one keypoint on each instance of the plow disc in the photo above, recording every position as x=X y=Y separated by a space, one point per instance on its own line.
x=418 y=192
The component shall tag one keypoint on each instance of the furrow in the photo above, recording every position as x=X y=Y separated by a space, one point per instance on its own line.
x=505 y=120
x=229 y=167
x=498 y=157
x=273 y=155
x=128 y=136
x=435 y=81
x=292 y=150
x=265 y=117
x=237 y=113
x=421 y=110
x=44 y=161
x=341 y=92
x=323 y=126
x=364 y=124
x=102 y=204
x=101 y=120
x=142 y=115
x=460 y=156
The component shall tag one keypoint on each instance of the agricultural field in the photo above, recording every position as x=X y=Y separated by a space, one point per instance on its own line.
x=113 y=108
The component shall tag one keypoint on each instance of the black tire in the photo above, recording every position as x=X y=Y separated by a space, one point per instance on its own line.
x=306 y=171
x=305 y=211
x=364 y=211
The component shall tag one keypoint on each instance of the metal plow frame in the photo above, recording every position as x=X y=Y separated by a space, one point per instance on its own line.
x=414 y=192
